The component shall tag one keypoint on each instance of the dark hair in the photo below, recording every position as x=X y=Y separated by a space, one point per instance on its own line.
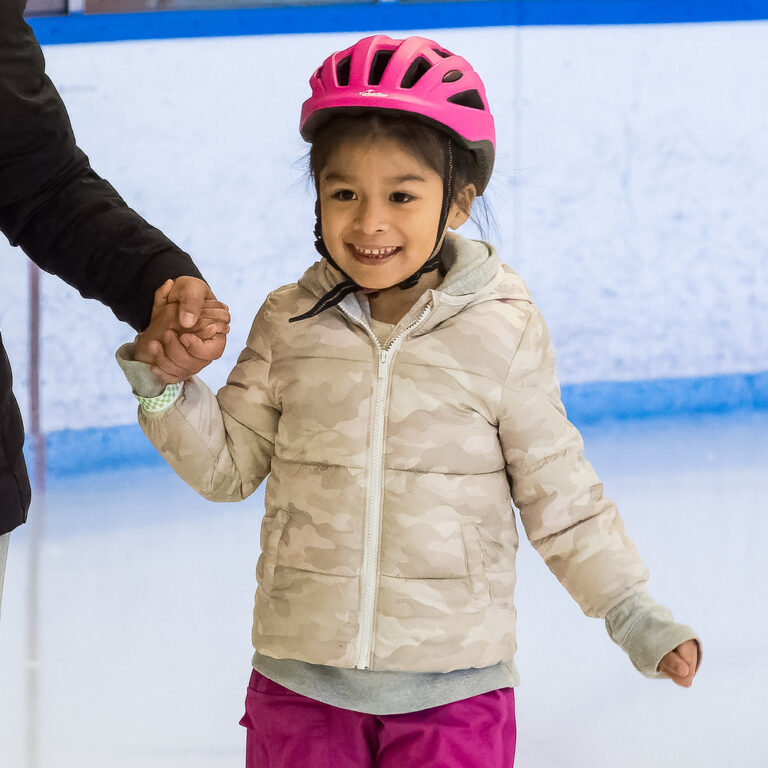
x=415 y=136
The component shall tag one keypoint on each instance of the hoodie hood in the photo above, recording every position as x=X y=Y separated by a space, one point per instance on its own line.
x=474 y=273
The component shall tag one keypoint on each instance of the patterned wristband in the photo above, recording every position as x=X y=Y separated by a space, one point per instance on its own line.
x=163 y=401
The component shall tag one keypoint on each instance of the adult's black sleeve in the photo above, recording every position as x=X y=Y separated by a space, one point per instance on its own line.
x=67 y=219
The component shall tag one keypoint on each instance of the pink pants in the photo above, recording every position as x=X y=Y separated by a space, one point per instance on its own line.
x=286 y=730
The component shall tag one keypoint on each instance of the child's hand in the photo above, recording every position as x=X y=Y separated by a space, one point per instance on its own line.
x=189 y=294
x=681 y=664
x=176 y=352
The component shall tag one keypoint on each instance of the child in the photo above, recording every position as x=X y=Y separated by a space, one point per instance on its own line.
x=399 y=396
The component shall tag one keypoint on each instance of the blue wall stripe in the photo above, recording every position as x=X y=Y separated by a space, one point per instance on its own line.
x=71 y=452
x=597 y=401
x=386 y=16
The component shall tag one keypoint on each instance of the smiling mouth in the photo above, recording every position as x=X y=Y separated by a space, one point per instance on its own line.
x=373 y=254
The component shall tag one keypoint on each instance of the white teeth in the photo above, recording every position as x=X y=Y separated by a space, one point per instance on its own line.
x=380 y=252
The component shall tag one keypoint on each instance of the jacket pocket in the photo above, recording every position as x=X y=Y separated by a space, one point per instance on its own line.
x=473 y=552
x=272 y=530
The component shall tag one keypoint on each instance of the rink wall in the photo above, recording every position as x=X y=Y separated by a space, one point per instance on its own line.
x=389 y=15
x=630 y=192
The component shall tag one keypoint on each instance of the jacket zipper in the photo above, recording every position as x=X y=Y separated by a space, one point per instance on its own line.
x=370 y=565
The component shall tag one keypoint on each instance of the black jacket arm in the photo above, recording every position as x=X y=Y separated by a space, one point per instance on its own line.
x=67 y=219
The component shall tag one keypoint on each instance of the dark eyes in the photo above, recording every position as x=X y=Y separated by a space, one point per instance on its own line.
x=346 y=195
x=343 y=194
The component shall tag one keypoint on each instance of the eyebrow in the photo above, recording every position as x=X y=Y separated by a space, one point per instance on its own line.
x=332 y=178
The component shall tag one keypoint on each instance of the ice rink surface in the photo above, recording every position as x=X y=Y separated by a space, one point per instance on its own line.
x=137 y=653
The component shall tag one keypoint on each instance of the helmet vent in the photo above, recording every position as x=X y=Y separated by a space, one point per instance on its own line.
x=319 y=74
x=378 y=65
x=442 y=53
x=452 y=76
x=415 y=72
x=469 y=99
x=342 y=71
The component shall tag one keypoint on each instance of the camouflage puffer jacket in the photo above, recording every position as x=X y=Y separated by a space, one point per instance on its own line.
x=389 y=538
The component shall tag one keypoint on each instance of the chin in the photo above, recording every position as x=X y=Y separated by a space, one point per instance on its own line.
x=381 y=284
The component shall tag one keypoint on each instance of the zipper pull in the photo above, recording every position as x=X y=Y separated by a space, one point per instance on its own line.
x=382 y=363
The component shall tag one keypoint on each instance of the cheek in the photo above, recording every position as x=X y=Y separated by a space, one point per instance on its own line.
x=427 y=224
x=332 y=223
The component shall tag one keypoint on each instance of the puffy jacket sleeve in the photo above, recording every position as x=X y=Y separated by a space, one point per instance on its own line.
x=222 y=445
x=571 y=524
x=67 y=219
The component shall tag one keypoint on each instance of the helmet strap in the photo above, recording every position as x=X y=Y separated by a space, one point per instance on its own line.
x=320 y=245
x=339 y=292
x=434 y=261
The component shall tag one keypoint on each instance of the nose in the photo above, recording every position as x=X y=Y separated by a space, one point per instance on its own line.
x=371 y=217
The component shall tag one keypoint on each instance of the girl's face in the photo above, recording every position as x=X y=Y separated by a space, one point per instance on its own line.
x=380 y=209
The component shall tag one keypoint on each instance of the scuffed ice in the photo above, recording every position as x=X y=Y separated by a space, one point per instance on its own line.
x=145 y=609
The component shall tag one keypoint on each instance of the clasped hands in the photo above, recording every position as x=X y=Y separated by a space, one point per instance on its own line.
x=188 y=330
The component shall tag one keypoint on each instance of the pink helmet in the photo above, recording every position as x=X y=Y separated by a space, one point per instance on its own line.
x=414 y=76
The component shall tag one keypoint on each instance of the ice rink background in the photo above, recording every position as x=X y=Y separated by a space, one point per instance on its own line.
x=631 y=192
x=145 y=610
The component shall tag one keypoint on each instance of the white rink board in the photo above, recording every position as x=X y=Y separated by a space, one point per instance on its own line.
x=631 y=191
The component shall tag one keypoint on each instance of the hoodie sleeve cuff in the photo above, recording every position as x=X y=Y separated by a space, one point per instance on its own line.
x=646 y=631
x=162 y=402
x=153 y=395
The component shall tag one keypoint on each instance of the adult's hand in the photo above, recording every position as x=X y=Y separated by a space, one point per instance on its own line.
x=177 y=352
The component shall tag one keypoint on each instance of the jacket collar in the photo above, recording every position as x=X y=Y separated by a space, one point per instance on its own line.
x=475 y=273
